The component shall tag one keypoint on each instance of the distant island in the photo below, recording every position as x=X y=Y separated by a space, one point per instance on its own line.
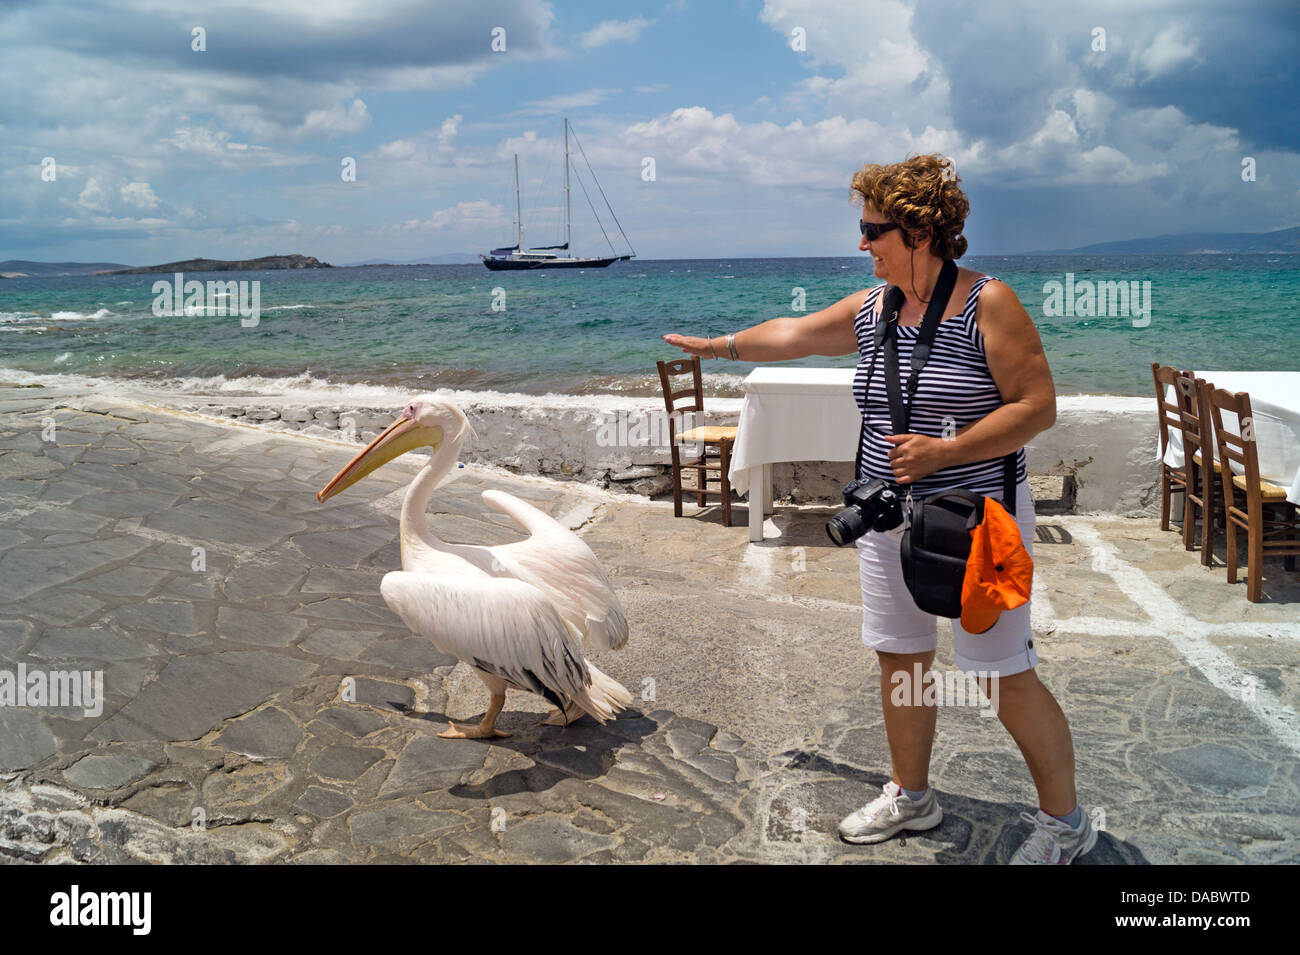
x=1195 y=243
x=18 y=269
x=241 y=265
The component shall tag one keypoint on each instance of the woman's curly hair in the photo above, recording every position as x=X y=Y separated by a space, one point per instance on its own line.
x=920 y=194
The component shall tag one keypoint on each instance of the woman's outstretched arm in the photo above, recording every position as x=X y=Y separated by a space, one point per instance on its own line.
x=828 y=332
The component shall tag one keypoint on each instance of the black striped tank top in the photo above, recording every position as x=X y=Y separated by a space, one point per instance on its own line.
x=955 y=388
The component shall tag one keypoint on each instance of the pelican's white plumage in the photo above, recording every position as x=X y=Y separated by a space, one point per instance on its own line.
x=560 y=564
x=517 y=612
x=505 y=627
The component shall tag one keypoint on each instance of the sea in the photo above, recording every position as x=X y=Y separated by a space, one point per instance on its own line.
x=412 y=329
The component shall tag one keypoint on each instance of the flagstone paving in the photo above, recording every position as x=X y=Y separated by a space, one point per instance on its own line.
x=261 y=703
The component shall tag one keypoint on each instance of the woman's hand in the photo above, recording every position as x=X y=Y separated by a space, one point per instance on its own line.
x=692 y=346
x=916 y=456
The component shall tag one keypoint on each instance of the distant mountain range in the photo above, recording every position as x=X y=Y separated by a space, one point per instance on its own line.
x=451 y=258
x=16 y=269
x=1283 y=240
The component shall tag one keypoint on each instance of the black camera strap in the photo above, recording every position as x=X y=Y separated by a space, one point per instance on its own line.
x=886 y=340
x=891 y=302
x=900 y=413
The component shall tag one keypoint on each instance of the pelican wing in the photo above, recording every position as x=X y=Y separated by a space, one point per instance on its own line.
x=560 y=564
x=503 y=626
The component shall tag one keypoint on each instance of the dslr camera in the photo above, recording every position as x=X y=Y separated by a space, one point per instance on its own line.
x=868 y=506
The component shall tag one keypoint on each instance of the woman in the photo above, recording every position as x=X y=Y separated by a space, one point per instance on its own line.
x=985 y=391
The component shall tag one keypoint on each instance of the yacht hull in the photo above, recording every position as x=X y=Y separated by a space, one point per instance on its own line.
x=513 y=265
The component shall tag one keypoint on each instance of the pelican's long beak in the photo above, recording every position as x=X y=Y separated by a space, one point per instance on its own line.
x=403 y=435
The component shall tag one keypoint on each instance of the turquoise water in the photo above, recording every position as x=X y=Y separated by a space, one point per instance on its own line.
x=424 y=327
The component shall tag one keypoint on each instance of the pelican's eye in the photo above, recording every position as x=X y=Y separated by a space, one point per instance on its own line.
x=411 y=411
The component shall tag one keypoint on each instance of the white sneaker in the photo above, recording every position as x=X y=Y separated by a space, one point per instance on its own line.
x=890 y=813
x=1053 y=842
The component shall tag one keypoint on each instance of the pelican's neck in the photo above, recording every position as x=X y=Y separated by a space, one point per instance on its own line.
x=414 y=525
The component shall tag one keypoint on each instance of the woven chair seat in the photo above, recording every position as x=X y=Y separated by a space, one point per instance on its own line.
x=1217 y=466
x=1267 y=491
x=709 y=433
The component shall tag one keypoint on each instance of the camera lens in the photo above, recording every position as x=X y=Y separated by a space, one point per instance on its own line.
x=846 y=526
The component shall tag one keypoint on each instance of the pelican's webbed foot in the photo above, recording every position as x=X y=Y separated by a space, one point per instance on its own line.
x=485 y=729
x=471 y=731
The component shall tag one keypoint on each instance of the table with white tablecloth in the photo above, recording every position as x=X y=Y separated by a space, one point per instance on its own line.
x=791 y=414
x=1275 y=408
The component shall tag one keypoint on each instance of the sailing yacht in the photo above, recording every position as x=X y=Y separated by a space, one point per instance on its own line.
x=516 y=256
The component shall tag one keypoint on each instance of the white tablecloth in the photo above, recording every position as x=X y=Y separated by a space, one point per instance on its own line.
x=794 y=414
x=1275 y=406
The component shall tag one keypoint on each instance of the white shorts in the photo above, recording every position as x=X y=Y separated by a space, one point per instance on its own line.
x=893 y=623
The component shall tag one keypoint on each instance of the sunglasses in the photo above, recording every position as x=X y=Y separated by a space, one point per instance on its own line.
x=874 y=230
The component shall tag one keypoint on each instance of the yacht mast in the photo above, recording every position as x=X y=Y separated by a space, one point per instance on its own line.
x=519 y=220
x=568 y=226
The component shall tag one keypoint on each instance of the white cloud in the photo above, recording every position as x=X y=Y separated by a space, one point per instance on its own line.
x=399 y=150
x=1170 y=49
x=694 y=142
x=215 y=147
x=462 y=217
x=93 y=198
x=425 y=156
x=1057 y=130
x=140 y=195
x=1092 y=111
x=610 y=31
x=335 y=121
x=569 y=101
x=882 y=70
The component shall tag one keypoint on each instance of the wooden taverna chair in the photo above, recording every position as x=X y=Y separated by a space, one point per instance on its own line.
x=1246 y=497
x=1171 y=416
x=1200 y=480
x=708 y=436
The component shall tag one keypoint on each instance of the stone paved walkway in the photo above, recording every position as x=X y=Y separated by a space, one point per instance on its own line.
x=262 y=704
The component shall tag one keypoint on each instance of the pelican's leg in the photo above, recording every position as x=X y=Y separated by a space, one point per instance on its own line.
x=558 y=718
x=484 y=730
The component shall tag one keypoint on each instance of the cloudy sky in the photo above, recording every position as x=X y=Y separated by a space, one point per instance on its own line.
x=1108 y=120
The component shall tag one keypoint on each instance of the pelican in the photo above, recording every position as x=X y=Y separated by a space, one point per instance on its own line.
x=517 y=613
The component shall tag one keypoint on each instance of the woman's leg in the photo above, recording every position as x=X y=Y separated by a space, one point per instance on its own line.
x=1026 y=708
x=909 y=726
x=1035 y=721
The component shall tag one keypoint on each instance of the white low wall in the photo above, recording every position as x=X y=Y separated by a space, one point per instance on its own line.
x=1106 y=444
x=1109 y=444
